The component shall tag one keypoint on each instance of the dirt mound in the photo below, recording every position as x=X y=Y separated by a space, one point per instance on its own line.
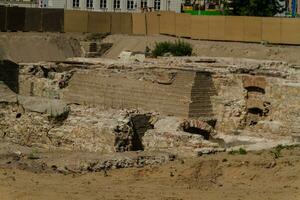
x=34 y=47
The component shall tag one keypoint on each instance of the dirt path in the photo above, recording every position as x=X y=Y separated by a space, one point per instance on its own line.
x=256 y=175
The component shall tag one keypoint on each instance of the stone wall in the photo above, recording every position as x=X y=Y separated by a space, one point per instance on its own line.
x=243 y=98
x=182 y=93
x=260 y=106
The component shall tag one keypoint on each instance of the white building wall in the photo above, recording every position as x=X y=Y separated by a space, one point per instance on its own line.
x=171 y=5
x=96 y=5
x=175 y=6
x=57 y=3
x=69 y=4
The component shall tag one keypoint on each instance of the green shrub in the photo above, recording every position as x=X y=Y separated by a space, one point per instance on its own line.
x=178 y=48
x=33 y=156
x=181 y=48
x=161 y=48
x=240 y=151
x=277 y=151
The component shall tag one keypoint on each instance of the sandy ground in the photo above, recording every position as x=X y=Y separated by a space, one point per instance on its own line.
x=34 y=47
x=287 y=53
x=257 y=175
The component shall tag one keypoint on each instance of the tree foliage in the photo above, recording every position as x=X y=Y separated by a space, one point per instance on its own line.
x=266 y=8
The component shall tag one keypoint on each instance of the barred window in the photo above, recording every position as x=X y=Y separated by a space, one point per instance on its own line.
x=156 y=4
x=103 y=4
x=75 y=3
x=89 y=4
x=130 y=4
x=144 y=4
x=117 y=4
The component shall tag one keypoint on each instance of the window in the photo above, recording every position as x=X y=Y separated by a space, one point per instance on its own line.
x=156 y=4
x=89 y=4
x=144 y=4
x=102 y=4
x=117 y=4
x=75 y=3
x=130 y=5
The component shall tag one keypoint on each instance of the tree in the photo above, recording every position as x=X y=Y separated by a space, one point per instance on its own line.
x=266 y=8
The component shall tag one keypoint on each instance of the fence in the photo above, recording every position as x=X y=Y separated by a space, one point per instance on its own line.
x=220 y=28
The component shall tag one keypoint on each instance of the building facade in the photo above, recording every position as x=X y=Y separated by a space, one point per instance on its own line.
x=117 y=5
x=20 y=3
x=101 y=5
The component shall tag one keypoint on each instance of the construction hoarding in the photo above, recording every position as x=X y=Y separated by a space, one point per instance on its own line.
x=53 y=20
x=290 y=31
x=271 y=29
x=33 y=19
x=234 y=28
x=98 y=22
x=139 y=24
x=76 y=21
x=15 y=19
x=221 y=28
x=199 y=27
x=167 y=23
x=252 y=29
x=183 y=25
x=116 y=23
x=3 y=18
x=126 y=23
x=216 y=28
x=152 y=23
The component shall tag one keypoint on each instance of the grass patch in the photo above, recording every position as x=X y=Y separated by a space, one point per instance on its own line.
x=177 y=48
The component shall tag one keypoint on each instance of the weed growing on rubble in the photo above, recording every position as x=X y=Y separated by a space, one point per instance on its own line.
x=240 y=151
x=177 y=48
x=33 y=155
x=276 y=152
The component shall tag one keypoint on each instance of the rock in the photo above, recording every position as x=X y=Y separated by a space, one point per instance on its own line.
x=52 y=107
x=208 y=150
x=296 y=138
x=127 y=56
x=168 y=54
x=6 y=94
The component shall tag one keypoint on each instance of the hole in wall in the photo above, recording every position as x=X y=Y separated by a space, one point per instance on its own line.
x=18 y=115
x=255 y=111
x=255 y=89
x=129 y=136
x=254 y=115
x=194 y=130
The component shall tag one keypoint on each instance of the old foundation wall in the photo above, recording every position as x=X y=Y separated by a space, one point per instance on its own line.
x=185 y=94
x=260 y=106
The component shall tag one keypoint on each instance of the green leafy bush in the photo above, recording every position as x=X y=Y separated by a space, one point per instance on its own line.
x=177 y=48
